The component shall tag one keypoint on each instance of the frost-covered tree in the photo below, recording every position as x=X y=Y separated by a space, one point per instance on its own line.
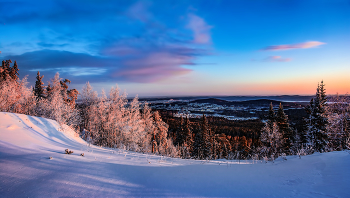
x=149 y=128
x=272 y=140
x=88 y=98
x=338 y=112
x=54 y=106
x=134 y=129
x=160 y=133
x=317 y=120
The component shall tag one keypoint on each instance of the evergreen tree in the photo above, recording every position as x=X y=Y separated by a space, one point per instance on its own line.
x=180 y=136
x=188 y=144
x=318 y=120
x=206 y=142
x=5 y=70
x=39 y=89
x=284 y=129
x=13 y=73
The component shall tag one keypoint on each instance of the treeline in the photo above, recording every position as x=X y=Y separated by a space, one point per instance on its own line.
x=105 y=121
x=228 y=139
x=112 y=121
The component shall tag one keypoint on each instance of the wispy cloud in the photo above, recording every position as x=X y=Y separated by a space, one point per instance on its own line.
x=200 y=28
x=131 y=41
x=309 y=44
x=277 y=59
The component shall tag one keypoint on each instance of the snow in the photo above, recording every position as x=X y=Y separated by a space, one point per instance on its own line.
x=26 y=170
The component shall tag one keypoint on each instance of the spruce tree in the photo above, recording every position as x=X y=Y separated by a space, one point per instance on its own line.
x=284 y=129
x=317 y=120
x=188 y=144
x=13 y=73
x=206 y=138
x=180 y=133
x=39 y=89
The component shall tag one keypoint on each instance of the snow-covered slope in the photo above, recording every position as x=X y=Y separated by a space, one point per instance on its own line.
x=26 y=170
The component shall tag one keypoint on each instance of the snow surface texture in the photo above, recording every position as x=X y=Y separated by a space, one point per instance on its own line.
x=26 y=170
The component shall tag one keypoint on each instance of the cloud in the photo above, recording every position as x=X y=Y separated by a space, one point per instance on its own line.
x=124 y=41
x=143 y=67
x=309 y=44
x=276 y=59
x=200 y=28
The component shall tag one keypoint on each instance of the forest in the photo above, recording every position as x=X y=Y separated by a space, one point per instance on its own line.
x=114 y=121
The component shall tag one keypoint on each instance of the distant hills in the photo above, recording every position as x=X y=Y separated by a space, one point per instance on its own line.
x=257 y=102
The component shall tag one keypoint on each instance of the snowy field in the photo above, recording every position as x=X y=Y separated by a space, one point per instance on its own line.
x=26 y=170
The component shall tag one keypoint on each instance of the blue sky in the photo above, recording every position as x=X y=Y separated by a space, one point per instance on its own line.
x=171 y=48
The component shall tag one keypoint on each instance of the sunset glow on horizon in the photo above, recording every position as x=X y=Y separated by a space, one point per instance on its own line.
x=182 y=48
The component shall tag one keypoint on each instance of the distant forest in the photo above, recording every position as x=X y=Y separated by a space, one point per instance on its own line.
x=113 y=121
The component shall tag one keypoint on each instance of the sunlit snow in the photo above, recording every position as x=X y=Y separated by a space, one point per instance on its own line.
x=26 y=170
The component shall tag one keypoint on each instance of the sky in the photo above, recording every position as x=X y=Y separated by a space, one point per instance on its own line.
x=182 y=47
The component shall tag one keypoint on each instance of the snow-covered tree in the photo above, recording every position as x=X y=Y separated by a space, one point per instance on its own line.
x=160 y=133
x=272 y=140
x=149 y=128
x=54 y=106
x=317 y=120
x=338 y=112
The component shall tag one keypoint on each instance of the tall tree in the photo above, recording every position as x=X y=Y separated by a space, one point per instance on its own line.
x=272 y=139
x=180 y=136
x=188 y=138
x=284 y=129
x=318 y=120
x=39 y=89
x=13 y=73
x=161 y=133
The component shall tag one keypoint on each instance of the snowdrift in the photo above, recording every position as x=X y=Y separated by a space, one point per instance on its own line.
x=33 y=164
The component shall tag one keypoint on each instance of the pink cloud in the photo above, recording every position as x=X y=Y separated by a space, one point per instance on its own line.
x=200 y=28
x=277 y=59
x=155 y=66
x=309 y=44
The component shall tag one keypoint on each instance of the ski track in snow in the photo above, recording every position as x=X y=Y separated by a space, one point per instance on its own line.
x=26 y=170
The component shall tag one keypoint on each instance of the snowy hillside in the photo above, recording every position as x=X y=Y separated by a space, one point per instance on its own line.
x=26 y=170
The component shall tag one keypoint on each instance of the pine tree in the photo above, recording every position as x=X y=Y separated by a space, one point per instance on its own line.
x=39 y=89
x=180 y=136
x=13 y=73
x=206 y=138
x=317 y=120
x=5 y=70
x=284 y=129
x=188 y=144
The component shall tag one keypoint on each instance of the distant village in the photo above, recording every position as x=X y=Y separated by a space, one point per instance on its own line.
x=193 y=109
